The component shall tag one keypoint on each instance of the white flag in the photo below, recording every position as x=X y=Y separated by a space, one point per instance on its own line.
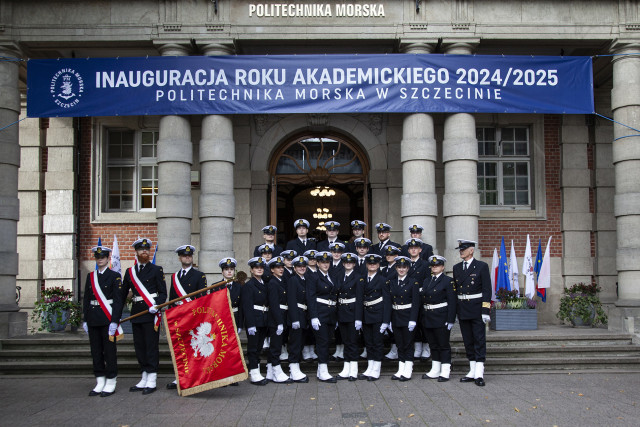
x=513 y=271
x=544 y=279
x=115 y=256
x=494 y=268
x=527 y=270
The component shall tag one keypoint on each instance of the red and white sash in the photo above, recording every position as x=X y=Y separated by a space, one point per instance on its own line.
x=177 y=286
x=144 y=293
x=104 y=303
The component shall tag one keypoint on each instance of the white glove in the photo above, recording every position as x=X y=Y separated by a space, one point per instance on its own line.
x=85 y=327
x=295 y=325
x=358 y=325
x=279 y=330
x=239 y=331
x=252 y=330
x=153 y=309
x=412 y=326
x=315 y=323
x=390 y=328
x=113 y=327
x=383 y=327
x=486 y=318
x=449 y=326
x=337 y=325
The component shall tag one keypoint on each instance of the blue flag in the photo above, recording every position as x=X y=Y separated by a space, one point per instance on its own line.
x=99 y=244
x=155 y=251
x=503 y=269
x=542 y=293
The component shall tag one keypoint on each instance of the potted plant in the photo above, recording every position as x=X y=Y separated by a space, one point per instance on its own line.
x=55 y=309
x=580 y=305
x=512 y=313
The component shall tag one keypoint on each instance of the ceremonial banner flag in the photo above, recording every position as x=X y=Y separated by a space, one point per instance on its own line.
x=494 y=273
x=542 y=293
x=115 y=256
x=528 y=271
x=503 y=270
x=155 y=251
x=513 y=270
x=205 y=347
x=544 y=280
x=99 y=244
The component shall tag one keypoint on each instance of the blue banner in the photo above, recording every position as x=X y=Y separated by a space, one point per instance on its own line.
x=395 y=83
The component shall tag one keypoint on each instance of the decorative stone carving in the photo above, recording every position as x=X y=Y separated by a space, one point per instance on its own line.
x=263 y=122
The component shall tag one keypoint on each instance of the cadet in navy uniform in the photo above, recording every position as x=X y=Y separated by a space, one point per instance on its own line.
x=332 y=236
x=97 y=324
x=362 y=245
x=416 y=233
x=288 y=257
x=373 y=305
x=297 y=302
x=347 y=283
x=336 y=271
x=438 y=314
x=302 y=243
x=255 y=306
x=311 y=275
x=419 y=271
x=384 y=231
x=473 y=288
x=145 y=334
x=357 y=229
x=266 y=252
x=228 y=266
x=269 y=236
x=190 y=279
x=278 y=309
x=390 y=254
x=405 y=305
x=322 y=299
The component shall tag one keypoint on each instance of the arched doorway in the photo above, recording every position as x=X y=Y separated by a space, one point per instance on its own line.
x=318 y=177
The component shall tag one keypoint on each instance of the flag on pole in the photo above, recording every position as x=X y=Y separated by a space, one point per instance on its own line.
x=528 y=271
x=115 y=256
x=204 y=344
x=544 y=279
x=155 y=251
x=99 y=244
x=494 y=274
x=503 y=269
x=513 y=270
x=542 y=293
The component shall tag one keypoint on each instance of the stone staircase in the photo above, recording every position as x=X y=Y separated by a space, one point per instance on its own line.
x=552 y=349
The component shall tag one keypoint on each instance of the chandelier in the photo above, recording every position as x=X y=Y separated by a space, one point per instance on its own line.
x=323 y=192
x=322 y=213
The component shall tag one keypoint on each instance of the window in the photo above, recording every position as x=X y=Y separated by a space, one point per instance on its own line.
x=131 y=177
x=504 y=171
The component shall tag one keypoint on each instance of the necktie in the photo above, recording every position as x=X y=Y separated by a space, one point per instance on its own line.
x=360 y=262
x=400 y=282
x=464 y=266
x=328 y=278
x=368 y=279
x=304 y=242
x=182 y=273
x=140 y=267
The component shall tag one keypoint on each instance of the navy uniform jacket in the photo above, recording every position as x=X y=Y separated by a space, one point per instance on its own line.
x=408 y=293
x=420 y=271
x=434 y=292
x=336 y=271
x=324 y=244
x=427 y=251
x=277 y=294
x=361 y=269
x=152 y=277
x=297 y=245
x=475 y=280
x=388 y=271
x=322 y=288
x=276 y=250
x=370 y=291
x=191 y=282
x=255 y=293
x=347 y=290
x=287 y=274
x=111 y=284
x=235 y=292
x=297 y=294
x=375 y=249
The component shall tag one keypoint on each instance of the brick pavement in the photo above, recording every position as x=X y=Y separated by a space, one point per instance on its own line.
x=541 y=399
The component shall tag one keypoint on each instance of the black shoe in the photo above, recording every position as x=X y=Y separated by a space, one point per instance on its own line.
x=149 y=390
x=480 y=382
x=442 y=379
x=426 y=377
x=331 y=380
x=261 y=382
x=353 y=379
x=338 y=377
x=106 y=393
x=372 y=379
x=395 y=377
x=339 y=359
x=403 y=379
x=466 y=380
x=288 y=381
x=363 y=377
x=94 y=393
x=302 y=380
x=135 y=388
x=172 y=386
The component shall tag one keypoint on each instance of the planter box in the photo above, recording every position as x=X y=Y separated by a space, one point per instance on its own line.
x=514 y=320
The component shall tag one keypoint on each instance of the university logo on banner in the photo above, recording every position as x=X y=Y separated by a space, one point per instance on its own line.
x=205 y=347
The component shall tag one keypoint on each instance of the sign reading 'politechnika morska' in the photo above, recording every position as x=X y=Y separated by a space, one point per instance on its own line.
x=395 y=83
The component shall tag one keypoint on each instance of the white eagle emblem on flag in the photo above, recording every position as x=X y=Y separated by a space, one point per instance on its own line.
x=202 y=341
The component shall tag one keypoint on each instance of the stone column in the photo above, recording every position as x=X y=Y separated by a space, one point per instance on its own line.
x=174 y=208
x=11 y=322
x=217 y=198
x=461 y=204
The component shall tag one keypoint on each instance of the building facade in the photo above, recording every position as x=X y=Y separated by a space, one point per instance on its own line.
x=214 y=181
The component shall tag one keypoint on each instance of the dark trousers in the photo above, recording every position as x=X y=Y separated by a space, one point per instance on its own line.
x=103 y=352
x=254 y=346
x=474 y=338
x=439 y=343
x=296 y=340
x=309 y=336
x=145 y=342
x=350 y=341
x=323 y=336
x=337 y=336
x=404 y=341
x=275 y=346
x=373 y=341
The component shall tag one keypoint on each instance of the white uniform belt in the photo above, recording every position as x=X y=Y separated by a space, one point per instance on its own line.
x=373 y=302
x=469 y=296
x=401 y=306
x=326 y=301
x=434 y=306
x=138 y=299
x=96 y=302
x=234 y=309
x=302 y=306
x=347 y=300
x=284 y=307
x=260 y=308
